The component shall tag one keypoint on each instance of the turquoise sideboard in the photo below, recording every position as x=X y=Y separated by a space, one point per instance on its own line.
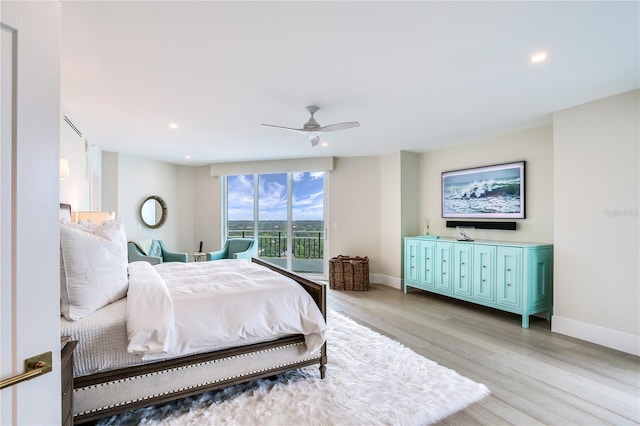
x=513 y=277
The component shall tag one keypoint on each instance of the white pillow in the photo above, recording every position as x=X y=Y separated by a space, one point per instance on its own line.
x=94 y=265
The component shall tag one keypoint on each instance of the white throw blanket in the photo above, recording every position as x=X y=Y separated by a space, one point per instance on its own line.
x=181 y=308
x=143 y=245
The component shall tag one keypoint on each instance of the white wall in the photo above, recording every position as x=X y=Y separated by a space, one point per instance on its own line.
x=137 y=178
x=399 y=212
x=596 y=222
x=355 y=209
x=207 y=209
x=390 y=215
x=535 y=146
x=110 y=181
x=410 y=187
x=84 y=165
x=184 y=211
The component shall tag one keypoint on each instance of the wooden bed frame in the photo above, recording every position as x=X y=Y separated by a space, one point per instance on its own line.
x=111 y=392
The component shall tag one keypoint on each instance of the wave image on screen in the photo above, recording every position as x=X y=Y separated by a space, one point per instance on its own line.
x=493 y=192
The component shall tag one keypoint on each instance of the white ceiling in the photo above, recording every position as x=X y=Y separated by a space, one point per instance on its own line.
x=416 y=75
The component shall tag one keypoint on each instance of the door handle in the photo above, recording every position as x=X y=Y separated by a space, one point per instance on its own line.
x=33 y=367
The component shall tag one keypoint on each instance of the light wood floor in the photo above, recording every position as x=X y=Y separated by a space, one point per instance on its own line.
x=535 y=376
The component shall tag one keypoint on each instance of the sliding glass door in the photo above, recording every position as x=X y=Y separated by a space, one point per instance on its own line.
x=240 y=211
x=307 y=221
x=286 y=217
x=273 y=224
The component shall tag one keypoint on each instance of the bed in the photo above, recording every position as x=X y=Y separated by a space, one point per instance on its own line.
x=124 y=381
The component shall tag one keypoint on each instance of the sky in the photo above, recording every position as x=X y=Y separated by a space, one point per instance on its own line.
x=307 y=196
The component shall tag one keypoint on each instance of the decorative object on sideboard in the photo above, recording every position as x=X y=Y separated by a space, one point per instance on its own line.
x=427 y=228
x=490 y=192
x=153 y=212
x=464 y=233
x=428 y=237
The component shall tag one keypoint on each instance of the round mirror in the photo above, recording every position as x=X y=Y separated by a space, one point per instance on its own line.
x=153 y=211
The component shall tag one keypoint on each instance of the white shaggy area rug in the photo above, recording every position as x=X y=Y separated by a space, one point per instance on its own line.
x=370 y=380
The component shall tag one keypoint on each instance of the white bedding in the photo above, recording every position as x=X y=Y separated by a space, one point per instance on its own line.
x=102 y=340
x=176 y=309
x=102 y=336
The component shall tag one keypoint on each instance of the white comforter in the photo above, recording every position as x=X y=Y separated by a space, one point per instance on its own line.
x=181 y=308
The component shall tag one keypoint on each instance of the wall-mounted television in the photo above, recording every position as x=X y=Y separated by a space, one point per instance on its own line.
x=489 y=192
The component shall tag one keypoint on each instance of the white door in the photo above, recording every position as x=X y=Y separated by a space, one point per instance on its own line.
x=29 y=197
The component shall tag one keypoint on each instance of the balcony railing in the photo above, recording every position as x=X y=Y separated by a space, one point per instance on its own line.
x=273 y=243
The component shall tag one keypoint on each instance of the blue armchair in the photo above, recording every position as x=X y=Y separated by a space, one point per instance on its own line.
x=154 y=252
x=236 y=248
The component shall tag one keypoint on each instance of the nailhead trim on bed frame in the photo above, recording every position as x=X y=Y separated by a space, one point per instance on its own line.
x=187 y=367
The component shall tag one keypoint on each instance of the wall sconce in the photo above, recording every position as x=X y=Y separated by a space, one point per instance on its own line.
x=96 y=217
x=64 y=168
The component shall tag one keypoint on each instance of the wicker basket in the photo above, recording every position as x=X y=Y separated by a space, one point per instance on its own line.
x=349 y=273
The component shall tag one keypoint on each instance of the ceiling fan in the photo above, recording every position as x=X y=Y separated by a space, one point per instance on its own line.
x=313 y=130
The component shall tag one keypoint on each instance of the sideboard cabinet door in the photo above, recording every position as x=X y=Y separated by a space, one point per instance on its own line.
x=538 y=276
x=411 y=262
x=484 y=273
x=427 y=264
x=444 y=267
x=462 y=264
x=509 y=277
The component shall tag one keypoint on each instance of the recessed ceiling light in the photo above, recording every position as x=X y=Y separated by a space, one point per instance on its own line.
x=538 y=57
x=324 y=143
x=187 y=157
x=173 y=125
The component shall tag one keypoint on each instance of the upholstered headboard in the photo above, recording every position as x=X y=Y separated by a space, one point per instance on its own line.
x=65 y=211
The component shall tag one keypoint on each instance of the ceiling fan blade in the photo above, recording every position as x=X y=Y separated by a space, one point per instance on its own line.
x=286 y=128
x=338 y=126
x=313 y=130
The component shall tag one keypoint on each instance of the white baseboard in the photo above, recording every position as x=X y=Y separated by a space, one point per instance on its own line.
x=614 y=339
x=386 y=280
